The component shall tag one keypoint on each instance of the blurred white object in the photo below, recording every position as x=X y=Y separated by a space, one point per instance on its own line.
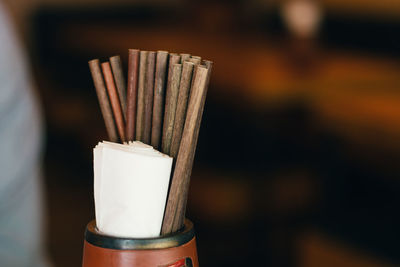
x=130 y=189
x=302 y=17
x=21 y=134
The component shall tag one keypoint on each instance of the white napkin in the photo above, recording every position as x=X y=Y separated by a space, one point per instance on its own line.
x=130 y=189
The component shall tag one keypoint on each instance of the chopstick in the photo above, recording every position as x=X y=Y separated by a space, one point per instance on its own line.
x=148 y=96
x=104 y=102
x=159 y=96
x=133 y=72
x=176 y=203
x=170 y=107
x=114 y=100
x=170 y=102
x=140 y=96
x=119 y=79
x=181 y=107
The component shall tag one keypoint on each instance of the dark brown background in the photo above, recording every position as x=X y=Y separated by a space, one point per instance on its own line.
x=297 y=161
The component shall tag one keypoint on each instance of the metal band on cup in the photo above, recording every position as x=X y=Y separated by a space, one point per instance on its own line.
x=94 y=237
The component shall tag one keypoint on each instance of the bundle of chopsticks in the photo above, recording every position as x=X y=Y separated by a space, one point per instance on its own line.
x=161 y=104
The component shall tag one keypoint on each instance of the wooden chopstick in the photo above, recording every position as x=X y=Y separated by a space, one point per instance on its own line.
x=176 y=203
x=140 y=95
x=104 y=101
x=159 y=95
x=119 y=79
x=114 y=99
x=181 y=207
x=181 y=107
x=133 y=72
x=148 y=96
x=170 y=108
x=173 y=59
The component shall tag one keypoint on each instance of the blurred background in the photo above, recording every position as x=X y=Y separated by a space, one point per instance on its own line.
x=298 y=155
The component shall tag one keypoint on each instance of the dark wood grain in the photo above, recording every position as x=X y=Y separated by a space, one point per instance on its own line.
x=119 y=79
x=133 y=72
x=183 y=167
x=148 y=96
x=181 y=107
x=104 y=101
x=114 y=99
x=160 y=82
x=170 y=108
x=140 y=95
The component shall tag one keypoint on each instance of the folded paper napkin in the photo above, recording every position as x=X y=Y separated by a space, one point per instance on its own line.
x=130 y=189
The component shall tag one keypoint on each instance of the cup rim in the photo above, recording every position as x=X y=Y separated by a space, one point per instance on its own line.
x=181 y=237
